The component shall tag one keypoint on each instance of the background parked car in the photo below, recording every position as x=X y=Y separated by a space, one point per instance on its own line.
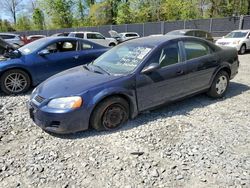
x=32 y=38
x=94 y=37
x=13 y=39
x=193 y=32
x=65 y=34
x=38 y=60
x=133 y=77
x=239 y=39
x=122 y=37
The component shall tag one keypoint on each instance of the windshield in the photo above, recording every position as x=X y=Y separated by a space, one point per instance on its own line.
x=123 y=59
x=33 y=46
x=237 y=34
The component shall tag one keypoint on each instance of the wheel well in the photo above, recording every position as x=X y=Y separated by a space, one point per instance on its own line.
x=24 y=70
x=227 y=70
x=112 y=44
x=114 y=95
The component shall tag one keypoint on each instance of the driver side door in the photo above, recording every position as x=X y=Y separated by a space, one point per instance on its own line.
x=166 y=83
x=62 y=55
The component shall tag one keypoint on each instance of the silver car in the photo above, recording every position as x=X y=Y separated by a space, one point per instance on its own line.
x=13 y=39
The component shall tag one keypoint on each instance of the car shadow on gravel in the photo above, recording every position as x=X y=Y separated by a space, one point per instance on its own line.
x=182 y=107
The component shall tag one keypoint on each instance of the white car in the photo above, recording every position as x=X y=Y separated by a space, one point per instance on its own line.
x=94 y=37
x=122 y=37
x=240 y=39
x=13 y=39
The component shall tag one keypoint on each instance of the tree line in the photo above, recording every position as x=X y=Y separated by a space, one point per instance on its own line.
x=56 y=14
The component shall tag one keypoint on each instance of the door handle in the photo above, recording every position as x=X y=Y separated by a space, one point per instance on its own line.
x=76 y=56
x=180 y=72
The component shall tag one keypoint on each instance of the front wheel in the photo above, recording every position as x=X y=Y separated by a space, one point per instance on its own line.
x=243 y=49
x=219 y=85
x=15 y=82
x=110 y=114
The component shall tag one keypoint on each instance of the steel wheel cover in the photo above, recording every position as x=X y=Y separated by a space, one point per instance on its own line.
x=114 y=116
x=221 y=84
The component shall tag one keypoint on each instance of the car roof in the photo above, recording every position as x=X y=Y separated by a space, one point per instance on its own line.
x=242 y=30
x=157 y=40
x=11 y=34
x=186 y=30
x=128 y=33
x=84 y=32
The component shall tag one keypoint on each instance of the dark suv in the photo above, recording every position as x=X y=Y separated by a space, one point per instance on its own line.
x=193 y=32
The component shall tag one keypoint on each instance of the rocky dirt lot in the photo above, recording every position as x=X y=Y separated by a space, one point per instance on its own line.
x=198 y=142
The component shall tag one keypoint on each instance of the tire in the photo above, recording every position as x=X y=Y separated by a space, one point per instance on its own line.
x=219 y=85
x=243 y=49
x=15 y=82
x=112 y=44
x=110 y=114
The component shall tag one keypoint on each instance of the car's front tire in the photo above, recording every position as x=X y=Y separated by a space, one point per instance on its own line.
x=110 y=114
x=15 y=82
x=243 y=49
x=219 y=85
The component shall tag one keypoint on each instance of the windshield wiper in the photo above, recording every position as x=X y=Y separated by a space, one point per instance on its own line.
x=100 y=69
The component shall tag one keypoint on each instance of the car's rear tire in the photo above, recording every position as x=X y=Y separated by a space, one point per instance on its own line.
x=110 y=114
x=243 y=49
x=15 y=82
x=219 y=85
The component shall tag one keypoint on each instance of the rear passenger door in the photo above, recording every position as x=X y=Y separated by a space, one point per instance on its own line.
x=201 y=63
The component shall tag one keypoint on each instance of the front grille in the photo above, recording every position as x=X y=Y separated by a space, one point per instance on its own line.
x=39 y=99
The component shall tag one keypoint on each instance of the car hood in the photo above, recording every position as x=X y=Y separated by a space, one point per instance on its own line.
x=5 y=45
x=75 y=81
x=229 y=39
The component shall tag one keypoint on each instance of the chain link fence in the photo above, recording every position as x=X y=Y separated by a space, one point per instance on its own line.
x=217 y=26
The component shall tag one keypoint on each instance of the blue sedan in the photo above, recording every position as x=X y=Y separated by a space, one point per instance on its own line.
x=37 y=61
x=133 y=77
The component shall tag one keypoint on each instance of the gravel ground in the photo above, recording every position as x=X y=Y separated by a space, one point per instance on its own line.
x=198 y=142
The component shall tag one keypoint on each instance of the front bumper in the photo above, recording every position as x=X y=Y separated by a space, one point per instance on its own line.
x=58 y=121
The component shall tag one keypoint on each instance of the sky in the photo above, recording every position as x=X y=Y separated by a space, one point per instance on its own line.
x=24 y=6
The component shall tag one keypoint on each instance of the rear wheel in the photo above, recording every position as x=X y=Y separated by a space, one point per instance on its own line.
x=15 y=82
x=110 y=114
x=219 y=85
x=242 y=49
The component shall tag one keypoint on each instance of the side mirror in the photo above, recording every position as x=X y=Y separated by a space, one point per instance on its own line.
x=44 y=52
x=151 y=68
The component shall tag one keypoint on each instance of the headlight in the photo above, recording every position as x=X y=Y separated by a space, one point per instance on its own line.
x=236 y=42
x=34 y=90
x=66 y=103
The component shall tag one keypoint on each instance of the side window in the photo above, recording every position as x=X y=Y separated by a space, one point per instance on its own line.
x=196 y=49
x=86 y=46
x=168 y=55
x=79 y=35
x=63 y=46
x=98 y=36
x=200 y=34
x=90 y=36
x=7 y=36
